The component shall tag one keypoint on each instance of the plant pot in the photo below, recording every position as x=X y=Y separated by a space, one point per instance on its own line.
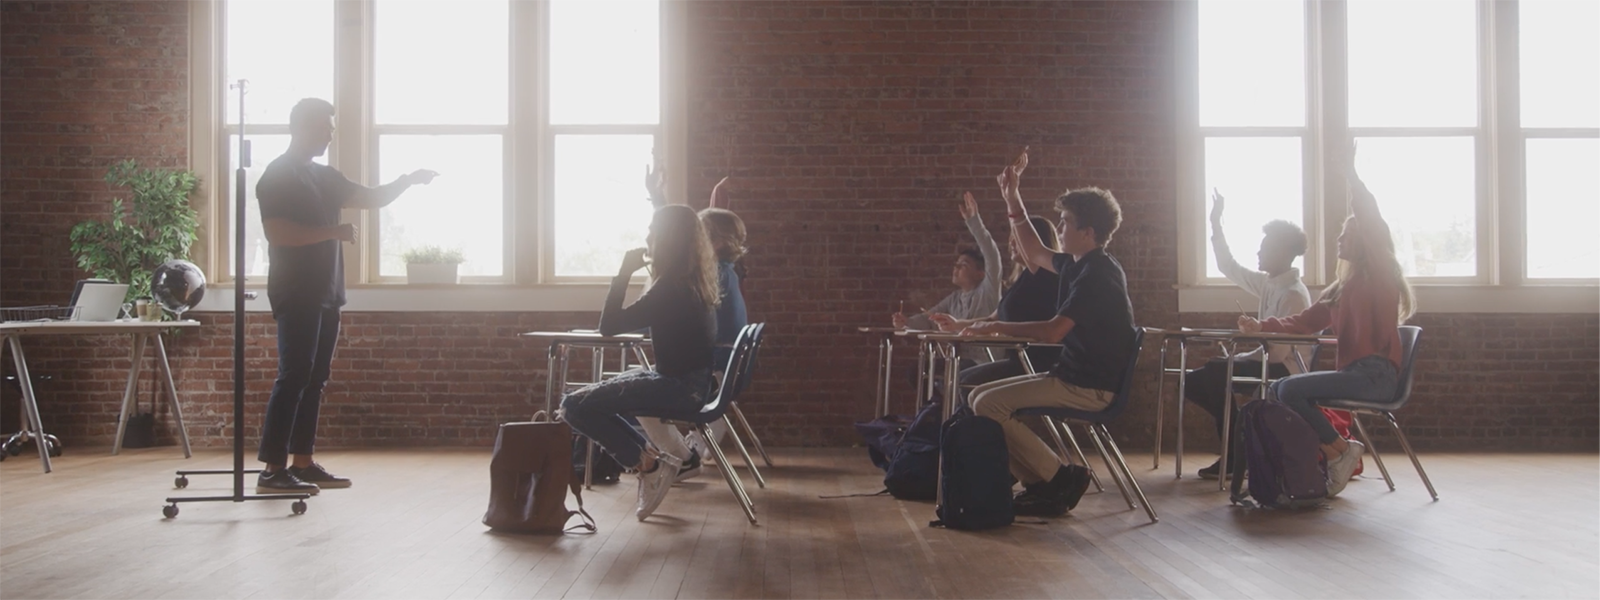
x=432 y=273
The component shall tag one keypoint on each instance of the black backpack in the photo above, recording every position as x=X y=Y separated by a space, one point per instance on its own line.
x=913 y=471
x=606 y=468
x=977 y=474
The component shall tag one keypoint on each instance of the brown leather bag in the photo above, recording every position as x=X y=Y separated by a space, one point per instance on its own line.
x=529 y=476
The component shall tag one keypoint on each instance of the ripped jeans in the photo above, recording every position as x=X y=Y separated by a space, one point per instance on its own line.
x=597 y=410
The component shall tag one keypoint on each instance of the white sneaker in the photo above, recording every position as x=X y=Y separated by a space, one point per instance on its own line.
x=690 y=469
x=697 y=443
x=1340 y=469
x=653 y=486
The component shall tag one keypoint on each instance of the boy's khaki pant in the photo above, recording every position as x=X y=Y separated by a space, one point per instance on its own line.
x=1032 y=461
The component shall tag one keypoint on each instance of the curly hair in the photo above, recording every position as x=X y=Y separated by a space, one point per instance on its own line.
x=1093 y=207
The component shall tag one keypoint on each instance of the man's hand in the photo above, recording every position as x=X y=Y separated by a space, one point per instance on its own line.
x=899 y=320
x=947 y=322
x=421 y=177
x=632 y=261
x=969 y=207
x=1249 y=324
x=1008 y=178
x=981 y=328
x=655 y=182
x=719 y=194
x=348 y=233
x=1216 y=209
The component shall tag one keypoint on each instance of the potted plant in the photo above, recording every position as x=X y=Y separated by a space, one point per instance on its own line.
x=155 y=226
x=433 y=264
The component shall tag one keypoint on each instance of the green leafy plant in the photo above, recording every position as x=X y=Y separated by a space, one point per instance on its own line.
x=433 y=255
x=155 y=226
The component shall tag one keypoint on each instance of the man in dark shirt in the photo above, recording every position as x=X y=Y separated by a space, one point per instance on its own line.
x=300 y=203
x=1093 y=324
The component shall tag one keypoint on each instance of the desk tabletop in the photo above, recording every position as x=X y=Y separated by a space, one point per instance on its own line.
x=1234 y=334
x=586 y=336
x=956 y=337
x=120 y=326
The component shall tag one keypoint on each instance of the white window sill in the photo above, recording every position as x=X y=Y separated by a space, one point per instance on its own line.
x=1430 y=299
x=460 y=298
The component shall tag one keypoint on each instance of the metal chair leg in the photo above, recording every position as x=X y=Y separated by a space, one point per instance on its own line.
x=760 y=449
x=1061 y=447
x=1414 y=462
x=1361 y=430
x=1116 y=476
x=1083 y=459
x=1161 y=394
x=1122 y=464
x=728 y=475
x=738 y=443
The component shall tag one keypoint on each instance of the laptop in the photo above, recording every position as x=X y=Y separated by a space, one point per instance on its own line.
x=98 y=300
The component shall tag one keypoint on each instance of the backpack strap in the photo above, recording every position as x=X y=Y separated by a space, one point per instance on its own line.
x=588 y=522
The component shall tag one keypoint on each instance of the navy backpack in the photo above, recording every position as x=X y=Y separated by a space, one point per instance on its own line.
x=977 y=474
x=913 y=471
x=1280 y=451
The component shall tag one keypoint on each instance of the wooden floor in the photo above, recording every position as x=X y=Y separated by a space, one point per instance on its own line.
x=1506 y=526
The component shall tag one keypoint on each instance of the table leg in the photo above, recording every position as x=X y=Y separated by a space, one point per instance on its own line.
x=950 y=396
x=1161 y=392
x=130 y=394
x=924 y=373
x=1227 y=417
x=1177 y=447
x=877 y=389
x=30 y=402
x=888 y=371
x=550 y=379
x=172 y=392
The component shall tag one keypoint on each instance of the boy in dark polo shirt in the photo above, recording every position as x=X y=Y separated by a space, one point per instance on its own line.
x=1093 y=324
x=300 y=204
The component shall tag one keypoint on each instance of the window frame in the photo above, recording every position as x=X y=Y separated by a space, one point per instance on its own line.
x=1501 y=284
x=529 y=281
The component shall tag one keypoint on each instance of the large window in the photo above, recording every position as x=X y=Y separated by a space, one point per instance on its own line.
x=539 y=117
x=1477 y=125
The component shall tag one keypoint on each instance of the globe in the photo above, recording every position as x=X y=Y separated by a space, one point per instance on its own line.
x=178 y=285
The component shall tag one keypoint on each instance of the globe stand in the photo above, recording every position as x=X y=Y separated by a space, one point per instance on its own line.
x=238 y=471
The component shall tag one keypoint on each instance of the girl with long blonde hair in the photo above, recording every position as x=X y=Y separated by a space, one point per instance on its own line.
x=1364 y=307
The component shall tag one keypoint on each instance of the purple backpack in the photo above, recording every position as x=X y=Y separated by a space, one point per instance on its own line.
x=1281 y=454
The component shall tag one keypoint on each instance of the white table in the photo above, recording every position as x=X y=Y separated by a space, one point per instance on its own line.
x=139 y=332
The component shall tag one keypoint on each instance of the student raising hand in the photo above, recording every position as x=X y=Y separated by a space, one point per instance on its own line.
x=969 y=206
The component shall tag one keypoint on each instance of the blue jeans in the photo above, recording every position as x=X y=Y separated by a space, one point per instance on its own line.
x=597 y=410
x=1371 y=378
x=306 y=337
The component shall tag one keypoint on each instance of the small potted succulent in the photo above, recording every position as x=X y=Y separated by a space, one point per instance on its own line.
x=433 y=265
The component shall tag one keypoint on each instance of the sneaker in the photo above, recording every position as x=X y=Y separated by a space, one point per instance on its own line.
x=691 y=467
x=697 y=443
x=319 y=476
x=283 y=482
x=1037 y=506
x=653 y=486
x=1071 y=488
x=1340 y=469
x=1214 y=471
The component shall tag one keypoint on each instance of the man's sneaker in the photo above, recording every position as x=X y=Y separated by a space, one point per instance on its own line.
x=698 y=444
x=315 y=474
x=1039 y=500
x=1341 y=469
x=1214 y=471
x=653 y=486
x=1075 y=483
x=691 y=467
x=283 y=482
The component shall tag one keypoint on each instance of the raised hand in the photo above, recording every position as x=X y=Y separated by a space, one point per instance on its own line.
x=1216 y=207
x=655 y=183
x=969 y=207
x=633 y=260
x=1021 y=163
x=719 y=194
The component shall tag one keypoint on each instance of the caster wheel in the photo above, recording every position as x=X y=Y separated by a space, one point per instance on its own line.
x=299 y=507
x=55 y=450
x=14 y=450
x=180 y=483
x=169 y=511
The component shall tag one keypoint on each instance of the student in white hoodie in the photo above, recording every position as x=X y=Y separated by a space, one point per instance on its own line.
x=1276 y=283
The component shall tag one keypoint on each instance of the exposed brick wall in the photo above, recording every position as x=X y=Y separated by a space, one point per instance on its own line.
x=851 y=128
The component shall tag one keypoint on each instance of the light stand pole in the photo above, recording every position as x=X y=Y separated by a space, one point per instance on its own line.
x=239 y=295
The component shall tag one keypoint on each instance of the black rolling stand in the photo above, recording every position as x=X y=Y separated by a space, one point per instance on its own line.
x=238 y=472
